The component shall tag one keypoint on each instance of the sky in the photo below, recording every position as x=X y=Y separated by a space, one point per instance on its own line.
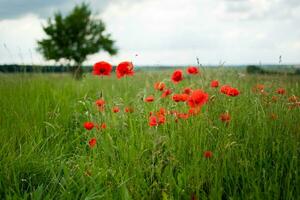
x=166 y=32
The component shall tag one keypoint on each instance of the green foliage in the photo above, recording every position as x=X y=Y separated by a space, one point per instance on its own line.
x=75 y=36
x=252 y=69
x=297 y=71
x=44 y=152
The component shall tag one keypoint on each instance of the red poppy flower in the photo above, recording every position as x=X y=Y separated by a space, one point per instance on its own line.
x=159 y=86
x=124 y=69
x=102 y=68
x=182 y=116
x=225 y=117
x=187 y=90
x=214 y=84
x=149 y=99
x=197 y=98
x=184 y=97
x=176 y=97
x=194 y=111
x=153 y=121
x=177 y=76
x=192 y=70
x=233 y=92
x=166 y=93
x=280 y=91
x=103 y=126
x=224 y=89
x=229 y=91
x=161 y=119
x=88 y=125
x=156 y=120
x=92 y=142
x=162 y=111
x=100 y=104
x=207 y=154
x=116 y=109
x=129 y=110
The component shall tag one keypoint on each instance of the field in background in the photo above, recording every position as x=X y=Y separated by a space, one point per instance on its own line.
x=44 y=151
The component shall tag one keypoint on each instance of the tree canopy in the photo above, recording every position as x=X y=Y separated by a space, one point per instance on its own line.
x=74 y=37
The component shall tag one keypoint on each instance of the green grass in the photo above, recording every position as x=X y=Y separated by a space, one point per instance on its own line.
x=44 y=152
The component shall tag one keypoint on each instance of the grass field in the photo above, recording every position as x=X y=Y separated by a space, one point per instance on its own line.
x=45 y=152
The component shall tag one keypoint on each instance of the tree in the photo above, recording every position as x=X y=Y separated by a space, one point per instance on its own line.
x=73 y=37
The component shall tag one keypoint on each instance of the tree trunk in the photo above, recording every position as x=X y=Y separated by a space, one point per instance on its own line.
x=77 y=72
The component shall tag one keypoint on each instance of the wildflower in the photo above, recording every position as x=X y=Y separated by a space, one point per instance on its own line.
x=224 y=89
x=159 y=86
x=176 y=97
x=102 y=68
x=225 y=117
x=233 y=92
x=229 y=91
x=129 y=110
x=184 y=97
x=92 y=142
x=116 y=109
x=192 y=70
x=280 y=91
x=100 y=104
x=197 y=98
x=187 y=90
x=162 y=111
x=149 y=99
x=177 y=76
x=88 y=125
x=161 y=119
x=182 y=116
x=103 y=126
x=153 y=121
x=124 y=69
x=214 y=84
x=208 y=154
x=166 y=93
x=194 y=111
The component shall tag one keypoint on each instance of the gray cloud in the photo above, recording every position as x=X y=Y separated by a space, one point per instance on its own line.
x=11 y=9
x=169 y=31
x=44 y=8
x=261 y=9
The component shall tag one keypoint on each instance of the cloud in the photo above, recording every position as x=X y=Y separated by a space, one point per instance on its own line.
x=16 y=8
x=175 y=32
x=18 y=39
x=258 y=9
x=46 y=8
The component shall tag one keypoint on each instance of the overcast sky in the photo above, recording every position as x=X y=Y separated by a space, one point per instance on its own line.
x=166 y=32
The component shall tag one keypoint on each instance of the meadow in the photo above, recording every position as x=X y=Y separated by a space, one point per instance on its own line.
x=45 y=151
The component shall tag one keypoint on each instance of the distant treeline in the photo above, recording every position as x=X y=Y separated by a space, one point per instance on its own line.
x=60 y=69
x=38 y=68
x=253 y=69
x=250 y=69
